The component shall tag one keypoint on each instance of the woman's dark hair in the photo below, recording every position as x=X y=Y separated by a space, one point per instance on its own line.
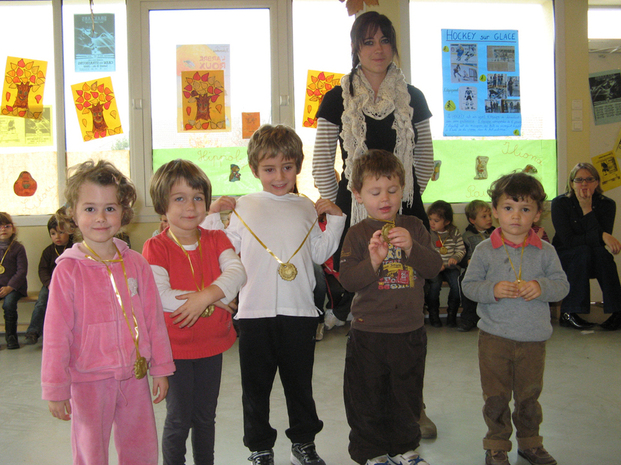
x=365 y=26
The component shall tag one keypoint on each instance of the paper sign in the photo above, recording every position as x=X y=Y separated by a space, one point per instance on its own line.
x=317 y=84
x=95 y=104
x=24 y=82
x=250 y=123
x=608 y=168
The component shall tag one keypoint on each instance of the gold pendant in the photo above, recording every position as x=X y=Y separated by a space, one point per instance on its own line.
x=385 y=230
x=443 y=250
x=2 y=269
x=287 y=271
x=140 y=367
x=208 y=311
x=519 y=284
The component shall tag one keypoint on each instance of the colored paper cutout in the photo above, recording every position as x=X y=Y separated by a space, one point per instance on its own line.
x=202 y=97
x=317 y=84
x=25 y=186
x=24 y=83
x=250 y=123
x=95 y=104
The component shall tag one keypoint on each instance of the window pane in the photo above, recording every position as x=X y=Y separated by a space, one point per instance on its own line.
x=317 y=50
x=536 y=146
x=92 y=57
x=604 y=23
x=195 y=54
x=28 y=180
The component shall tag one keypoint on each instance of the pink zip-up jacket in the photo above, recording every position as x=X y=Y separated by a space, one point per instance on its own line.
x=86 y=336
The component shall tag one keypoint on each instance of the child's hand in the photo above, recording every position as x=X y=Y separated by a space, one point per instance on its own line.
x=224 y=203
x=529 y=290
x=401 y=237
x=160 y=388
x=327 y=206
x=378 y=249
x=6 y=290
x=189 y=313
x=60 y=409
x=452 y=262
x=231 y=307
x=613 y=244
x=506 y=290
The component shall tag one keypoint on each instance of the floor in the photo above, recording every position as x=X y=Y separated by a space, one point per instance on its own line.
x=581 y=403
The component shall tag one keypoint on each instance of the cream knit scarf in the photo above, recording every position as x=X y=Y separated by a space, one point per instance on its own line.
x=393 y=96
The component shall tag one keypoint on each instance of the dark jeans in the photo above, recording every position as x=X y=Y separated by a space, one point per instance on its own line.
x=383 y=390
x=286 y=344
x=9 y=305
x=468 y=307
x=191 y=403
x=321 y=288
x=450 y=275
x=585 y=262
x=38 y=314
x=340 y=299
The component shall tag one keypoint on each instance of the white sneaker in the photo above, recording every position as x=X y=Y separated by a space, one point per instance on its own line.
x=409 y=458
x=330 y=321
x=381 y=460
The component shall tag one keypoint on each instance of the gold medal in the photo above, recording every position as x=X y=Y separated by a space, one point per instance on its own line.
x=2 y=269
x=443 y=250
x=208 y=311
x=385 y=230
x=287 y=271
x=140 y=367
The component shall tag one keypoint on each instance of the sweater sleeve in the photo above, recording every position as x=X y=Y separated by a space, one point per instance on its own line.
x=324 y=157
x=46 y=265
x=356 y=271
x=574 y=229
x=233 y=275
x=423 y=258
x=423 y=154
x=18 y=281
x=554 y=285
x=475 y=285
x=460 y=247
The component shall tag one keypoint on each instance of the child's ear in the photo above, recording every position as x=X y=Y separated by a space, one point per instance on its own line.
x=357 y=196
x=471 y=220
x=254 y=172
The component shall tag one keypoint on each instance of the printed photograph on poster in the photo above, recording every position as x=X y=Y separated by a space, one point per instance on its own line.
x=609 y=171
x=481 y=84
x=94 y=49
x=24 y=83
x=39 y=131
x=95 y=104
x=605 y=89
x=317 y=84
x=617 y=148
x=199 y=58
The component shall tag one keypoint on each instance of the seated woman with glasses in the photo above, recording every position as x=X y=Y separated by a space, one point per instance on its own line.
x=583 y=219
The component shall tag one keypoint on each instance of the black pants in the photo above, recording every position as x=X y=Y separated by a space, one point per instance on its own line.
x=286 y=344
x=383 y=392
x=468 y=307
x=585 y=262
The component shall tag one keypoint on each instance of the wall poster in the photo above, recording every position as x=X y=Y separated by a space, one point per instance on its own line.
x=481 y=82
x=94 y=49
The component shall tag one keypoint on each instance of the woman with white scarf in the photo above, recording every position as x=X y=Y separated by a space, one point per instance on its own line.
x=374 y=108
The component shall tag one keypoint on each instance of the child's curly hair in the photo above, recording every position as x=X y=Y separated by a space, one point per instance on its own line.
x=518 y=186
x=101 y=173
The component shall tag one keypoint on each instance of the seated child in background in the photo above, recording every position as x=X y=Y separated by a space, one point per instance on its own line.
x=163 y=225
x=198 y=274
x=449 y=244
x=479 y=216
x=385 y=259
x=61 y=240
x=513 y=276
x=13 y=283
x=541 y=233
x=277 y=234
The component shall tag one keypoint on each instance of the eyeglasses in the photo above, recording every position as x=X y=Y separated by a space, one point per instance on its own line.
x=6 y=226
x=587 y=180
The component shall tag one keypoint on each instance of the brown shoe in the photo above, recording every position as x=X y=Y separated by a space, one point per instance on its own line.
x=496 y=457
x=537 y=456
x=428 y=428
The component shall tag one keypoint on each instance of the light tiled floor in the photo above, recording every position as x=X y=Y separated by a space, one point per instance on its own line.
x=581 y=404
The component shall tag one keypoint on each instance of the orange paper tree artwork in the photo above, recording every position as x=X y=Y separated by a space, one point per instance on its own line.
x=317 y=84
x=202 y=97
x=24 y=83
x=95 y=104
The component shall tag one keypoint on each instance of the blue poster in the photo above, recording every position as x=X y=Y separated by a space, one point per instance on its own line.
x=481 y=83
x=94 y=49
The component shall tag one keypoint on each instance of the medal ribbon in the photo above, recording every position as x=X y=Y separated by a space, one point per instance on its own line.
x=210 y=308
x=440 y=239
x=266 y=248
x=518 y=276
x=136 y=336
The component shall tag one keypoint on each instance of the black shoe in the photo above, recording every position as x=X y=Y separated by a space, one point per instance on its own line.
x=305 y=454
x=32 y=338
x=572 y=320
x=613 y=322
x=434 y=320
x=11 y=342
x=466 y=325
x=451 y=319
x=262 y=457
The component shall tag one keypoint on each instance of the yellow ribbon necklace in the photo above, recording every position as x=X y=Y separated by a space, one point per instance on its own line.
x=2 y=268
x=140 y=366
x=518 y=276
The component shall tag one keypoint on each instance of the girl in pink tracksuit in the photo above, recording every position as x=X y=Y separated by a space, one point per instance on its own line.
x=104 y=328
